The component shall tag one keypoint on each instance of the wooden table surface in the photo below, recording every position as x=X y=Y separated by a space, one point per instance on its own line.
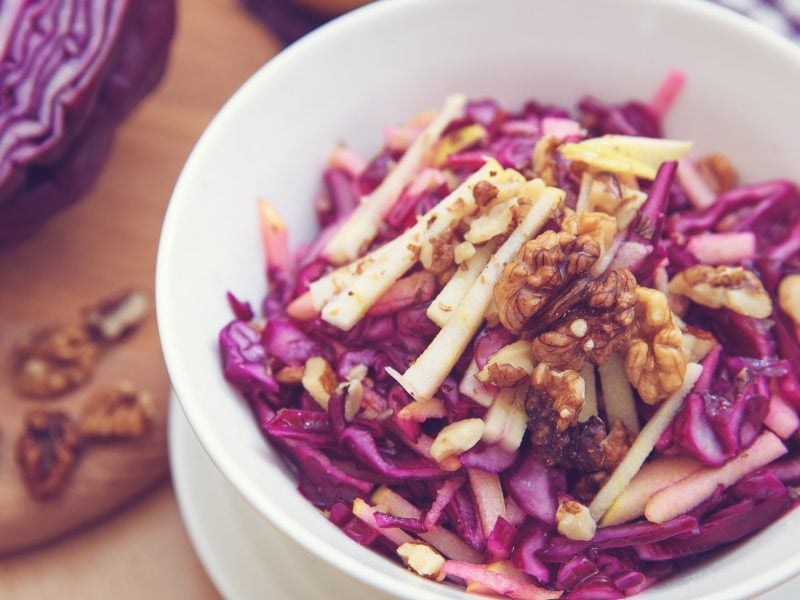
x=142 y=551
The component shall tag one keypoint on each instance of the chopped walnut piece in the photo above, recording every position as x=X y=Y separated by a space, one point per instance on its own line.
x=736 y=288
x=545 y=162
x=437 y=254
x=290 y=374
x=541 y=269
x=596 y=326
x=655 y=362
x=616 y=445
x=47 y=451
x=54 y=360
x=612 y=196
x=575 y=522
x=319 y=380
x=117 y=412
x=718 y=172
x=484 y=192
x=602 y=228
x=113 y=317
x=789 y=297
x=503 y=374
x=562 y=392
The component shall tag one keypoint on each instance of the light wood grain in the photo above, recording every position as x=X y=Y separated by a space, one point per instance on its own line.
x=106 y=242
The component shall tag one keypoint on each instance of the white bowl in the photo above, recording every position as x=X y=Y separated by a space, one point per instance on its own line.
x=379 y=65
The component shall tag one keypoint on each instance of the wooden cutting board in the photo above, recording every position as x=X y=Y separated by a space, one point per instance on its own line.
x=108 y=242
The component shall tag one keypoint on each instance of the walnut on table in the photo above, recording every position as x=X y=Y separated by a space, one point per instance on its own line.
x=54 y=360
x=114 y=317
x=47 y=452
x=117 y=412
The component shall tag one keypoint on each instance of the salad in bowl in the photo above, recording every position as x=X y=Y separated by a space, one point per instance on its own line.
x=533 y=351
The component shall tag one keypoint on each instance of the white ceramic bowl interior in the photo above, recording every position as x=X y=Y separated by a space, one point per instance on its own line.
x=378 y=66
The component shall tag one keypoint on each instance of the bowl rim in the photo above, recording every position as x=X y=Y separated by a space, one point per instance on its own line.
x=170 y=344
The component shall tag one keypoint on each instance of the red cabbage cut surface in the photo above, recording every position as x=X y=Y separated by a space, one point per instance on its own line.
x=70 y=72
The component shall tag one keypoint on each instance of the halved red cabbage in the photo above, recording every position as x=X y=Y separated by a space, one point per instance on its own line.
x=70 y=73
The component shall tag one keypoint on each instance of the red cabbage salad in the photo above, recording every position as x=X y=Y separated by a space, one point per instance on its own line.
x=534 y=353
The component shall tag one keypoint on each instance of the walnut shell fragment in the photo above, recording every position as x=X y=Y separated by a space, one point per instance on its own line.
x=47 y=452
x=655 y=362
x=54 y=360
x=117 y=412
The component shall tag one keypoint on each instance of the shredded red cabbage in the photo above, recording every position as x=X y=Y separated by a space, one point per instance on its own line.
x=341 y=453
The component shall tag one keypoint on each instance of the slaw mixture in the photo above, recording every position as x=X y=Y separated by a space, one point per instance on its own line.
x=534 y=353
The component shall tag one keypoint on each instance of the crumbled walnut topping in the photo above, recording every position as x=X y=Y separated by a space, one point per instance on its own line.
x=602 y=228
x=575 y=522
x=497 y=220
x=718 y=172
x=736 y=288
x=542 y=268
x=789 y=297
x=437 y=254
x=613 y=197
x=290 y=374
x=47 y=451
x=545 y=161
x=463 y=252
x=596 y=326
x=319 y=380
x=54 y=360
x=615 y=446
x=117 y=412
x=456 y=438
x=503 y=375
x=113 y=317
x=484 y=192
x=563 y=392
x=655 y=362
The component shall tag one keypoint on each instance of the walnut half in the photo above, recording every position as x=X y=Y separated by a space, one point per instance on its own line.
x=735 y=288
x=655 y=362
x=117 y=412
x=548 y=294
x=595 y=327
x=47 y=451
x=54 y=360
x=540 y=272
